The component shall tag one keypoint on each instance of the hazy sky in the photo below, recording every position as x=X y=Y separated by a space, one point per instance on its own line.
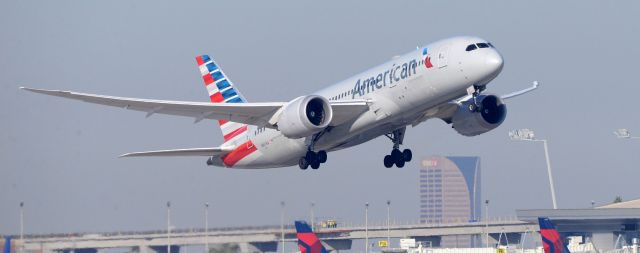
x=60 y=156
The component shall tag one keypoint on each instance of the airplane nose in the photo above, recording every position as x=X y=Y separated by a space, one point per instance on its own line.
x=494 y=62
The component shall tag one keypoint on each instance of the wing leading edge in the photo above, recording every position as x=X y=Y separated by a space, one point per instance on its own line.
x=248 y=113
x=258 y=114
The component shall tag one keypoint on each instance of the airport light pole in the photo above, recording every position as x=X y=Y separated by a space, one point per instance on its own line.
x=388 y=222
x=21 y=226
x=624 y=133
x=206 y=227
x=366 y=227
x=282 y=224
x=486 y=221
x=312 y=217
x=168 y=226
x=528 y=135
x=22 y=222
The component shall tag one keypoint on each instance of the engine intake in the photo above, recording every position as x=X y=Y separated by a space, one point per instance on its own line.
x=470 y=120
x=305 y=116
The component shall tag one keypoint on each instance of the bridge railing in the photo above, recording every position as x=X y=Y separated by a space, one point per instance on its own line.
x=341 y=225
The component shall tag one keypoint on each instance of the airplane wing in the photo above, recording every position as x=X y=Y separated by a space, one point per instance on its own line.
x=258 y=114
x=216 y=151
x=447 y=110
x=346 y=110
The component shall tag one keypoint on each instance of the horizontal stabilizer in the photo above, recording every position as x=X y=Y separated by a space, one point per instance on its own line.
x=216 y=151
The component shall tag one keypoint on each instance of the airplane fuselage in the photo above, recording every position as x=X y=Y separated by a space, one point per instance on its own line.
x=399 y=93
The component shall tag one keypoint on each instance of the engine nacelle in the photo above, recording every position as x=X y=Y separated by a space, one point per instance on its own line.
x=305 y=116
x=471 y=121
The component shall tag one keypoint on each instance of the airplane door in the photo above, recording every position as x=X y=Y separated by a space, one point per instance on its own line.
x=443 y=56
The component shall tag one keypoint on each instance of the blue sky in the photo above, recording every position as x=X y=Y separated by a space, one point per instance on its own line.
x=60 y=156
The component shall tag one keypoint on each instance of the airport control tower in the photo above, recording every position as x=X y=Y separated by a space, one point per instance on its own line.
x=450 y=192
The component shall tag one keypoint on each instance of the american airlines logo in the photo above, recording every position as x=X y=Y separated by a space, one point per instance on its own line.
x=394 y=74
x=427 y=58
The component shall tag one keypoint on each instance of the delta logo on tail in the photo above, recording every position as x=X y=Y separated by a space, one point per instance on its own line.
x=551 y=240
x=308 y=242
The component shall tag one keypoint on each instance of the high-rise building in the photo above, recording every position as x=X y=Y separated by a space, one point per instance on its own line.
x=450 y=192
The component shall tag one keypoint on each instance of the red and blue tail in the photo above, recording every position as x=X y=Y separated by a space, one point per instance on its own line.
x=7 y=245
x=221 y=90
x=308 y=242
x=551 y=240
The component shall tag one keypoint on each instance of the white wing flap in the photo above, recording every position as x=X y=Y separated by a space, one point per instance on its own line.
x=247 y=113
x=347 y=110
x=216 y=151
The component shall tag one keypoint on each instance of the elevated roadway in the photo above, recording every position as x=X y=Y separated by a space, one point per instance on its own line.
x=262 y=238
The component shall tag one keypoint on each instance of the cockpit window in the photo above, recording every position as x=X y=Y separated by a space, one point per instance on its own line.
x=471 y=47
x=483 y=45
x=491 y=45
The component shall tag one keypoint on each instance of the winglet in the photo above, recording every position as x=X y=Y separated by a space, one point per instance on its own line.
x=57 y=93
x=534 y=86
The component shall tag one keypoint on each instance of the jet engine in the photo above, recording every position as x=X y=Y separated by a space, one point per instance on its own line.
x=305 y=116
x=472 y=119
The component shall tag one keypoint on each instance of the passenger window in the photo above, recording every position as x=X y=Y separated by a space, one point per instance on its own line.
x=471 y=47
x=483 y=45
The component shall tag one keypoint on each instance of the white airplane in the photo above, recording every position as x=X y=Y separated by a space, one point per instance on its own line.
x=441 y=80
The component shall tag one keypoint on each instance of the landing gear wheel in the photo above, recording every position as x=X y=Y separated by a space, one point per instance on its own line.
x=311 y=157
x=322 y=156
x=388 y=161
x=407 y=155
x=303 y=163
x=315 y=164
x=396 y=155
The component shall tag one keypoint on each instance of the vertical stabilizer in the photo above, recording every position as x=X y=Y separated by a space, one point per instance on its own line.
x=308 y=242
x=551 y=240
x=7 y=244
x=221 y=90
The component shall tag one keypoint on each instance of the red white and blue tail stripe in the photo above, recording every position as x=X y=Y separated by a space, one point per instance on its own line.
x=308 y=242
x=8 y=246
x=221 y=90
x=551 y=240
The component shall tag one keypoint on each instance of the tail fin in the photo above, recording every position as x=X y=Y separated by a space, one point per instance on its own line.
x=7 y=244
x=308 y=242
x=551 y=240
x=221 y=90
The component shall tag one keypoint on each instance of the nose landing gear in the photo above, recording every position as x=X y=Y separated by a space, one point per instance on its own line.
x=397 y=157
x=477 y=89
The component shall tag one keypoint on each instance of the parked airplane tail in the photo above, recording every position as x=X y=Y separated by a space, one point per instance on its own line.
x=551 y=240
x=7 y=245
x=308 y=242
x=221 y=90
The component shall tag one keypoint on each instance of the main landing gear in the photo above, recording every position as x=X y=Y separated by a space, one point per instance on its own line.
x=313 y=159
x=397 y=157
